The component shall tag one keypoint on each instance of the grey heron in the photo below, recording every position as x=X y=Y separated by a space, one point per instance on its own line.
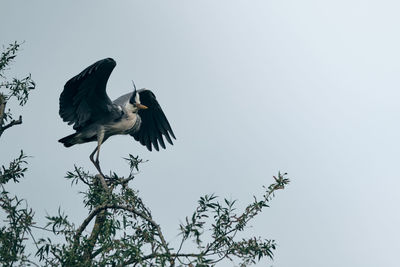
x=85 y=104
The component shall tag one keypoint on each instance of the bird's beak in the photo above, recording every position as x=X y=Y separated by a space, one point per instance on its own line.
x=140 y=106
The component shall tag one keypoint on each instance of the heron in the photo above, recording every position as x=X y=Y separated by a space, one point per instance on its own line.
x=85 y=104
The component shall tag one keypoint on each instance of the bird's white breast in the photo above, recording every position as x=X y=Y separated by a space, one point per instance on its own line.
x=122 y=126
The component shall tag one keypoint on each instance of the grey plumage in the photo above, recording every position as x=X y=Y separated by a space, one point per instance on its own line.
x=154 y=125
x=85 y=104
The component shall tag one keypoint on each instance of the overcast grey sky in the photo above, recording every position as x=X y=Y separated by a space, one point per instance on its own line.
x=250 y=88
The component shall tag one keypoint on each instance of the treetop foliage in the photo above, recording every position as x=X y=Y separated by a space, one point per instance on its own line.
x=119 y=229
x=16 y=88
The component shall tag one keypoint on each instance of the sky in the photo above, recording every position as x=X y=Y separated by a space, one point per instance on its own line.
x=250 y=88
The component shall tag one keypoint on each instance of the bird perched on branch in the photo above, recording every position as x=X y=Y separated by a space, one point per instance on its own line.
x=85 y=104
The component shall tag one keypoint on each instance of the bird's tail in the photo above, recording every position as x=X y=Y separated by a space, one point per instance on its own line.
x=68 y=140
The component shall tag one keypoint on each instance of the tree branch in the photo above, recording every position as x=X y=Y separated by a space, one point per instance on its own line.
x=100 y=177
x=11 y=124
x=2 y=109
x=174 y=255
x=3 y=103
x=98 y=225
x=100 y=218
x=103 y=207
x=151 y=221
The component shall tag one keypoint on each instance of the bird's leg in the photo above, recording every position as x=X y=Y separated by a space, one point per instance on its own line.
x=96 y=163
x=91 y=155
x=100 y=137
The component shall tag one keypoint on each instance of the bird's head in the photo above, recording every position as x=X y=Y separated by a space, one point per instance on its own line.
x=135 y=101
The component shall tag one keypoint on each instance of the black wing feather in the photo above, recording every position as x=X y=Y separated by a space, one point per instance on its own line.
x=154 y=124
x=84 y=98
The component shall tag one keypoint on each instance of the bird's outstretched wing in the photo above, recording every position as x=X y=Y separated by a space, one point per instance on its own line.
x=84 y=98
x=154 y=123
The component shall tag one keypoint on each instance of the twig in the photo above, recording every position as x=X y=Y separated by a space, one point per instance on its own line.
x=52 y=231
x=80 y=176
x=12 y=123
x=34 y=241
x=180 y=246
x=174 y=255
x=118 y=181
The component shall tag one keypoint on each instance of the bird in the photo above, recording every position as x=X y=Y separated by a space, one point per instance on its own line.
x=84 y=103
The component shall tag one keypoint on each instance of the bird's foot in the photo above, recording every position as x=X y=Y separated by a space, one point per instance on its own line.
x=96 y=164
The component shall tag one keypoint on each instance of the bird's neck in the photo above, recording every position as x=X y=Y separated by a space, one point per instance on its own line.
x=130 y=108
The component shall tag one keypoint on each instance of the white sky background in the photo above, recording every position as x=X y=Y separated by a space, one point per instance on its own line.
x=250 y=88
